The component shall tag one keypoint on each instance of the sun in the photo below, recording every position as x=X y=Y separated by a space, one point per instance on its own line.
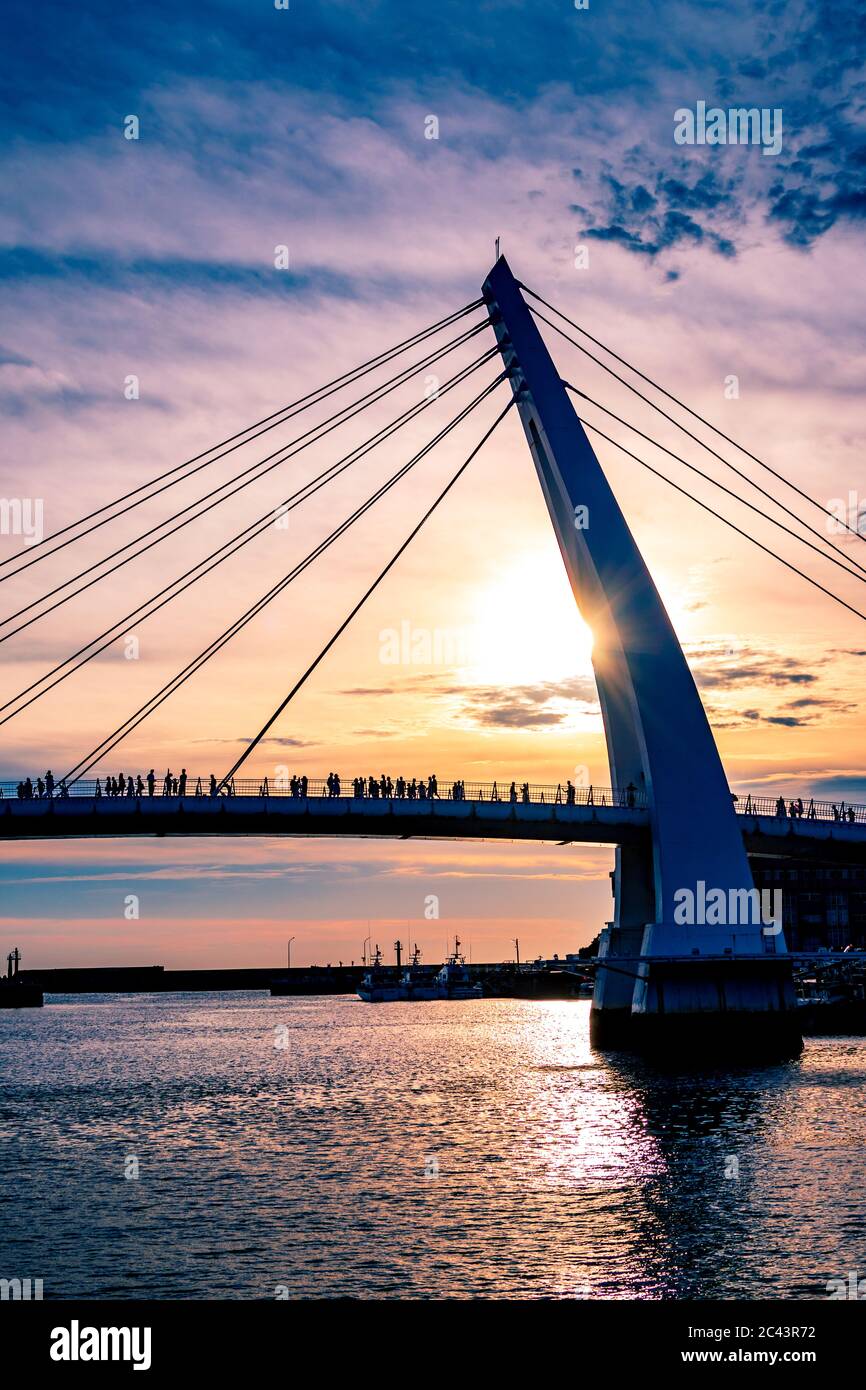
x=526 y=626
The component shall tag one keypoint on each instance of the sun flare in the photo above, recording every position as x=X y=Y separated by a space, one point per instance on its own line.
x=526 y=626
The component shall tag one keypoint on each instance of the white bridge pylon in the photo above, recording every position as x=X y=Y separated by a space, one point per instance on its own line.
x=658 y=739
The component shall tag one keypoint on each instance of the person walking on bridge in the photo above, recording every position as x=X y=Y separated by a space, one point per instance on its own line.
x=151 y=782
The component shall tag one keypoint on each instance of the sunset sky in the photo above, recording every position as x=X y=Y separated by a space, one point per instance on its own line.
x=155 y=258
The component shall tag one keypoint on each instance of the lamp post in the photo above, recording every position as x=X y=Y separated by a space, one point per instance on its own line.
x=291 y=939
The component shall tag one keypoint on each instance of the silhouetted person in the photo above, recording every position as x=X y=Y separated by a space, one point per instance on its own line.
x=151 y=782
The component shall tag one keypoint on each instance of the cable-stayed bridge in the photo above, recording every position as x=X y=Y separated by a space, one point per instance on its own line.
x=664 y=981
x=600 y=816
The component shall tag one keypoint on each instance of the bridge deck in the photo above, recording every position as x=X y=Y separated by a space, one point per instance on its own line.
x=82 y=816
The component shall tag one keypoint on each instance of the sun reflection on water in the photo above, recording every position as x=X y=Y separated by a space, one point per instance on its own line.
x=477 y=1149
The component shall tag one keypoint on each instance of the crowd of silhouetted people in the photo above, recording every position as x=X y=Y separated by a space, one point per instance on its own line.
x=43 y=786
x=795 y=810
x=375 y=789
x=120 y=786
x=382 y=788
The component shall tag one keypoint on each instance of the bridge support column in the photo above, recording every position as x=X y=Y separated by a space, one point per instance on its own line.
x=665 y=983
x=620 y=947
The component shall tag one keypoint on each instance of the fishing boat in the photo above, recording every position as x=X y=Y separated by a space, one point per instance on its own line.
x=454 y=980
x=378 y=986
x=417 y=982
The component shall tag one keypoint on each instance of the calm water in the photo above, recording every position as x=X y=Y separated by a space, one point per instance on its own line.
x=311 y=1164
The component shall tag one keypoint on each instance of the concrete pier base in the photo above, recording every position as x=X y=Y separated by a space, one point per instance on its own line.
x=708 y=1009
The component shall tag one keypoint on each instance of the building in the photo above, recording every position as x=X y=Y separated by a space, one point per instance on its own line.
x=823 y=905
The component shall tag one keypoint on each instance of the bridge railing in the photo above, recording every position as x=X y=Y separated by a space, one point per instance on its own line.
x=534 y=793
x=799 y=808
x=349 y=787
